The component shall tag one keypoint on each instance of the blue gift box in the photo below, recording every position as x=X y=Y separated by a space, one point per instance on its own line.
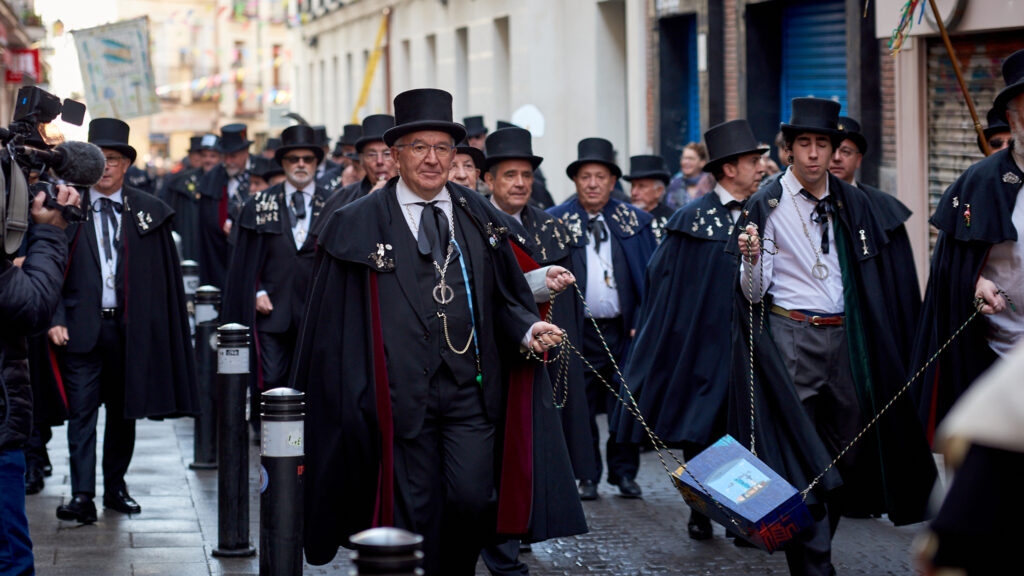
x=743 y=494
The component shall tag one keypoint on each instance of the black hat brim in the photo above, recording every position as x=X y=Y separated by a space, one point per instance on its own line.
x=834 y=135
x=362 y=142
x=474 y=153
x=456 y=130
x=280 y=152
x=1004 y=97
x=651 y=175
x=859 y=140
x=476 y=132
x=496 y=159
x=714 y=163
x=573 y=168
x=121 y=147
x=240 y=146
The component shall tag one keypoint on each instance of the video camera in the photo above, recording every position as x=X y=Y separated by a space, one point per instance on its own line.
x=25 y=147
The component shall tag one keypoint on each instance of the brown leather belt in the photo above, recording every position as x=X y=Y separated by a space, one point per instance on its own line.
x=813 y=320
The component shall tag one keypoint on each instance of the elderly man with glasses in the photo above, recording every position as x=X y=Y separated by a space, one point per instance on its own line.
x=423 y=412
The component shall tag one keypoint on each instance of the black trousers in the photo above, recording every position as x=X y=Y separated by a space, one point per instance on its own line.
x=444 y=478
x=276 y=351
x=818 y=361
x=91 y=379
x=623 y=458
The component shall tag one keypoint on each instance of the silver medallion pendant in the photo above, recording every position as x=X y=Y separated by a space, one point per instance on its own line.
x=819 y=271
x=443 y=293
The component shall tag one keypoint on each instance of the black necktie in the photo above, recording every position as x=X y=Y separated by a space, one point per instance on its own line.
x=298 y=205
x=108 y=223
x=822 y=210
x=432 y=238
x=598 y=231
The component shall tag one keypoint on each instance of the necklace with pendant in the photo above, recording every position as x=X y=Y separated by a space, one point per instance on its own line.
x=442 y=293
x=819 y=270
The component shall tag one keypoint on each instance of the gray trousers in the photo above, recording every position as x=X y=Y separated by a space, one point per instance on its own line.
x=818 y=361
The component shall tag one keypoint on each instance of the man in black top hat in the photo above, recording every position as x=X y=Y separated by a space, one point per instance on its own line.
x=345 y=155
x=466 y=165
x=181 y=192
x=410 y=358
x=648 y=177
x=123 y=322
x=977 y=255
x=375 y=158
x=831 y=292
x=611 y=243
x=273 y=257
x=476 y=131
x=266 y=172
x=223 y=190
x=328 y=172
x=539 y=196
x=680 y=366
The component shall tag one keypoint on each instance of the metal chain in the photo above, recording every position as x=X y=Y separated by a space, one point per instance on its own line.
x=448 y=338
x=978 y=303
x=817 y=250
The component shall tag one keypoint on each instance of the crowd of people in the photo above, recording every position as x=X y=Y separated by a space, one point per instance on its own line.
x=458 y=334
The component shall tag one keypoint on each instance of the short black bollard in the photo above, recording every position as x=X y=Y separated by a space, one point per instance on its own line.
x=190 y=277
x=387 y=552
x=281 y=466
x=232 y=445
x=204 y=450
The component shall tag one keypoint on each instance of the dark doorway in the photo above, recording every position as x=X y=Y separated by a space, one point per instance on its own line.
x=679 y=96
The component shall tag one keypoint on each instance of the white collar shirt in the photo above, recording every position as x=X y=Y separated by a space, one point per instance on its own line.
x=108 y=268
x=300 y=226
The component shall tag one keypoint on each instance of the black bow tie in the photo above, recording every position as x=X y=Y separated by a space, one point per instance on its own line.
x=735 y=204
x=822 y=210
x=100 y=204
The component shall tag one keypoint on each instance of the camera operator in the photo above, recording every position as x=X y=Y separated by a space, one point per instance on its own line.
x=28 y=297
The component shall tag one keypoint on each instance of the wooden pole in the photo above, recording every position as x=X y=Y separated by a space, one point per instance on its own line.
x=960 y=78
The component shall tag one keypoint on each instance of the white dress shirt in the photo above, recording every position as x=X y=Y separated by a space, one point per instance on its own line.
x=1005 y=268
x=108 y=268
x=300 y=227
x=724 y=196
x=602 y=293
x=787 y=273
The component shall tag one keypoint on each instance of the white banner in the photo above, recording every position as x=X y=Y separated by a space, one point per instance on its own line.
x=116 y=70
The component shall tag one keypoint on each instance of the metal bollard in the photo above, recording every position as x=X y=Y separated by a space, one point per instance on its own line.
x=190 y=277
x=387 y=552
x=207 y=309
x=281 y=467
x=232 y=447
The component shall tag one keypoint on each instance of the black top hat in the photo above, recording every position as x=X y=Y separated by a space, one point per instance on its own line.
x=350 y=134
x=728 y=140
x=596 y=150
x=195 y=144
x=424 y=109
x=373 y=129
x=510 y=144
x=273 y=144
x=817 y=116
x=474 y=125
x=299 y=137
x=321 y=135
x=266 y=168
x=233 y=137
x=1013 y=75
x=851 y=130
x=475 y=153
x=996 y=125
x=111 y=133
x=505 y=124
x=647 y=166
x=209 y=142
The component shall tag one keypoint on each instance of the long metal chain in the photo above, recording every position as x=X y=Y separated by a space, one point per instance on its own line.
x=817 y=250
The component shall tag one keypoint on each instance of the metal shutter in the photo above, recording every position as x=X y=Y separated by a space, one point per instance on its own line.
x=952 y=140
x=813 y=52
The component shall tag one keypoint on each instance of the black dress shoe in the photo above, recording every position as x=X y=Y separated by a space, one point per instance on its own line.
x=80 y=509
x=120 y=501
x=588 y=490
x=33 y=480
x=628 y=488
x=699 y=526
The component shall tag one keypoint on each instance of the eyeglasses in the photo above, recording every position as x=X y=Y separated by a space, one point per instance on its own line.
x=111 y=160
x=847 y=152
x=997 y=142
x=420 y=149
x=377 y=155
x=296 y=159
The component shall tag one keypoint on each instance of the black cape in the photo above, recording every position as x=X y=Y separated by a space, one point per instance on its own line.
x=160 y=370
x=335 y=365
x=680 y=373
x=181 y=193
x=340 y=198
x=214 y=248
x=662 y=214
x=895 y=471
x=990 y=189
x=548 y=239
